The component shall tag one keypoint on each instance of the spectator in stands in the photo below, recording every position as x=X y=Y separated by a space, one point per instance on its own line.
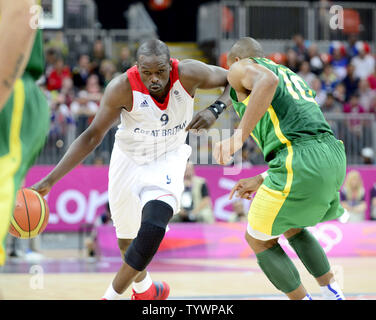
x=366 y=95
x=81 y=72
x=103 y=219
x=353 y=106
x=372 y=106
x=238 y=214
x=83 y=110
x=306 y=74
x=351 y=81
x=292 y=60
x=58 y=43
x=339 y=61
x=373 y=202
x=94 y=89
x=62 y=128
x=354 y=127
x=51 y=57
x=364 y=63
x=351 y=49
x=372 y=80
x=331 y=105
x=315 y=62
x=67 y=90
x=57 y=75
x=299 y=47
x=353 y=197
x=339 y=93
x=328 y=78
x=320 y=93
x=195 y=203
x=125 y=61
x=97 y=56
x=107 y=71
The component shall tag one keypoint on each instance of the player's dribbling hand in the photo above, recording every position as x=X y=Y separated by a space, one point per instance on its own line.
x=42 y=187
x=245 y=188
x=202 y=120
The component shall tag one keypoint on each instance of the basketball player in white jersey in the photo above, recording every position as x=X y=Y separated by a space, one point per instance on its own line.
x=154 y=100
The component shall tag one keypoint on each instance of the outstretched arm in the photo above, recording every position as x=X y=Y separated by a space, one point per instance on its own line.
x=115 y=96
x=16 y=42
x=198 y=75
x=247 y=77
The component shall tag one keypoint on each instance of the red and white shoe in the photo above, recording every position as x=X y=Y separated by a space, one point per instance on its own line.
x=157 y=291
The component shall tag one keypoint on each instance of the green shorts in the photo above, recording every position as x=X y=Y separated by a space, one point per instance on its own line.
x=24 y=125
x=302 y=186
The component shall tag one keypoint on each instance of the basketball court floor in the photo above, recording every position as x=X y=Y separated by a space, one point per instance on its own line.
x=62 y=275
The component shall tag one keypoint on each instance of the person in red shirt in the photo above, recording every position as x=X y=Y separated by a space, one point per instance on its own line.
x=57 y=75
x=354 y=138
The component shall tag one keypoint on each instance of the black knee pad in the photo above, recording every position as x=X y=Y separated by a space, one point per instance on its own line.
x=155 y=216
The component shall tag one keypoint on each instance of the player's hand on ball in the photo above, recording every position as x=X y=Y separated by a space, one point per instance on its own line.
x=245 y=188
x=42 y=187
x=202 y=120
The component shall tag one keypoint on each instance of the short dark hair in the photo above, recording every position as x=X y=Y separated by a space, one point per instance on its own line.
x=153 y=47
x=245 y=48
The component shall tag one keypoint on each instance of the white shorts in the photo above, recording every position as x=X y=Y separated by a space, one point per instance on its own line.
x=130 y=184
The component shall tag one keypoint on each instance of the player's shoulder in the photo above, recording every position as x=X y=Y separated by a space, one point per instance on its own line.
x=119 y=83
x=119 y=89
x=191 y=65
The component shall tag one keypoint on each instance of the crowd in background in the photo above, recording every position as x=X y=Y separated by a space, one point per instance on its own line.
x=344 y=79
x=74 y=91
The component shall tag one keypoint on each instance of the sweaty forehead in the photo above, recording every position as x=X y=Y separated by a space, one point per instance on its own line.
x=153 y=61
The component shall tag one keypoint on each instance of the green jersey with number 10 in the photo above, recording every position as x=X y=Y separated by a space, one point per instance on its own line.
x=293 y=113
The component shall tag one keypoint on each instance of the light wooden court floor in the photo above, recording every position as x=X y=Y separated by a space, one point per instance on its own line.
x=211 y=279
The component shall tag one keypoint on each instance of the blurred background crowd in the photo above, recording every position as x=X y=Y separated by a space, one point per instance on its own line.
x=344 y=79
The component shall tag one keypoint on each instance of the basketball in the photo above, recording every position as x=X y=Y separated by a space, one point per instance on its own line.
x=30 y=216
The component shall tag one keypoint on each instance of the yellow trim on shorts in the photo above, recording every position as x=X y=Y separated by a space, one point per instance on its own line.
x=245 y=102
x=268 y=202
x=11 y=163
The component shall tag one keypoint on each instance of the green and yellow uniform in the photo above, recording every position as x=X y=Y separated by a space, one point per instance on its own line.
x=24 y=124
x=307 y=164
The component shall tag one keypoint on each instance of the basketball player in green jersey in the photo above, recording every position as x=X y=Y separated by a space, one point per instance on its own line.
x=307 y=166
x=24 y=112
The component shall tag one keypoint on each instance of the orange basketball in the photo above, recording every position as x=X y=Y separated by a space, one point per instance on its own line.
x=30 y=216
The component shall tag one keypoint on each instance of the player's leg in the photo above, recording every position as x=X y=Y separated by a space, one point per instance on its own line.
x=276 y=265
x=316 y=199
x=267 y=221
x=20 y=144
x=10 y=158
x=314 y=258
x=143 y=281
x=156 y=213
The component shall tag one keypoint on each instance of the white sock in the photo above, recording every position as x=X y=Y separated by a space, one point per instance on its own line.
x=332 y=292
x=111 y=294
x=143 y=285
x=307 y=297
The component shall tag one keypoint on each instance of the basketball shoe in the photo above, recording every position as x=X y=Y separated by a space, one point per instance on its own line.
x=157 y=291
